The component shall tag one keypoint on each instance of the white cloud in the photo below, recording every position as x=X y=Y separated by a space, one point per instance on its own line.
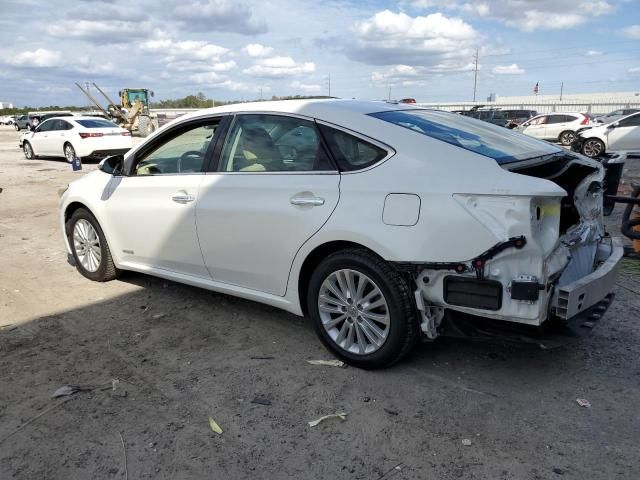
x=436 y=41
x=38 y=58
x=257 y=50
x=512 y=69
x=528 y=15
x=403 y=75
x=632 y=31
x=278 y=67
x=102 y=31
x=185 y=50
x=593 y=53
x=634 y=70
x=218 y=15
x=306 y=87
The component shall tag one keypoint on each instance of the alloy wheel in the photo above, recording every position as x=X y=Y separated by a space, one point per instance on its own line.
x=28 y=151
x=567 y=138
x=592 y=148
x=69 y=153
x=86 y=244
x=354 y=311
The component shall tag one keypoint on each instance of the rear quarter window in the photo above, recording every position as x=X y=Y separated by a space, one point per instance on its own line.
x=351 y=152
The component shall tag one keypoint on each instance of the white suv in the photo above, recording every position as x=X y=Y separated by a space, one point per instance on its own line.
x=560 y=127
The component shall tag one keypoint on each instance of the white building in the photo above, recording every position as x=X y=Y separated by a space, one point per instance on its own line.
x=574 y=102
x=6 y=105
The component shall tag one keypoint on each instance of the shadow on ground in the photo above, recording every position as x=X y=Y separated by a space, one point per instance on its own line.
x=182 y=354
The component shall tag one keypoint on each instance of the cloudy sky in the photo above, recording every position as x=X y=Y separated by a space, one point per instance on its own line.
x=240 y=49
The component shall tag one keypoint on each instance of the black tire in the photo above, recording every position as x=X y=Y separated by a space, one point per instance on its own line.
x=567 y=137
x=593 y=147
x=17 y=127
x=27 y=149
x=145 y=126
x=106 y=270
x=404 y=327
x=69 y=152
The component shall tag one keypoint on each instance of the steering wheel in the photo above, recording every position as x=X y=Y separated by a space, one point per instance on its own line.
x=188 y=154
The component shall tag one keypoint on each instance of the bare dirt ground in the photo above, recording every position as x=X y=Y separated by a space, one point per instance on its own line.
x=181 y=355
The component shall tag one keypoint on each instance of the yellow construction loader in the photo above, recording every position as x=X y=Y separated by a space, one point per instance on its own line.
x=133 y=111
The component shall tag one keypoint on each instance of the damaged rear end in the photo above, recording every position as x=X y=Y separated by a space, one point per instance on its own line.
x=556 y=262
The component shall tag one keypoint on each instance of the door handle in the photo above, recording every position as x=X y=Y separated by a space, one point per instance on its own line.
x=183 y=198
x=312 y=201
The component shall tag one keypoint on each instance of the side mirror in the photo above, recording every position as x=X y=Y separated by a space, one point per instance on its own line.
x=112 y=165
x=613 y=125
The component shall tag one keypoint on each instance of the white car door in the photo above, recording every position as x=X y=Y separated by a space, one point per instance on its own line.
x=151 y=211
x=625 y=136
x=536 y=127
x=58 y=136
x=40 y=139
x=275 y=186
x=556 y=124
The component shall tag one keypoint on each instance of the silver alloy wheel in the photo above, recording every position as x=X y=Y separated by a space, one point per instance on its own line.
x=592 y=148
x=354 y=312
x=567 y=138
x=86 y=244
x=28 y=151
x=69 y=153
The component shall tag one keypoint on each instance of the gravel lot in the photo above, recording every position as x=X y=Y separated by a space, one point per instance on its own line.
x=181 y=355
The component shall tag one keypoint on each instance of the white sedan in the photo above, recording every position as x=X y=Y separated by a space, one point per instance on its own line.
x=71 y=137
x=620 y=136
x=379 y=221
x=557 y=127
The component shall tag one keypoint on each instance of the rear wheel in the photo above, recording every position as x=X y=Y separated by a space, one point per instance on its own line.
x=593 y=147
x=362 y=309
x=89 y=246
x=28 y=151
x=567 y=137
x=69 y=152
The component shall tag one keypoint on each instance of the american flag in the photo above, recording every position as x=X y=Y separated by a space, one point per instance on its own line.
x=536 y=89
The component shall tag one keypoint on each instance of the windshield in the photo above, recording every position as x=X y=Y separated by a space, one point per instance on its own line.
x=97 y=123
x=499 y=143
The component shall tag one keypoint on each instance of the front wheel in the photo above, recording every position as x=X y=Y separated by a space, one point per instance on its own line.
x=89 y=247
x=17 y=127
x=69 y=152
x=593 y=147
x=362 y=309
x=28 y=151
x=567 y=137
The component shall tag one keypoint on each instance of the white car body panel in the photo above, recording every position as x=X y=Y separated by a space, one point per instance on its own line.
x=254 y=246
x=263 y=230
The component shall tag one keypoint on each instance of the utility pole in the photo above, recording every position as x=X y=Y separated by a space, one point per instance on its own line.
x=475 y=75
x=260 y=93
x=561 y=89
x=329 y=83
x=389 y=94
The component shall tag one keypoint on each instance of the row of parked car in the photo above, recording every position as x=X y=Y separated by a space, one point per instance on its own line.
x=617 y=131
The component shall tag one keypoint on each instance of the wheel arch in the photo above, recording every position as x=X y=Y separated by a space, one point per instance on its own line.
x=313 y=259
x=72 y=208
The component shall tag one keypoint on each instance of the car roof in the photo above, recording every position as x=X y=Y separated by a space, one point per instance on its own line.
x=328 y=109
